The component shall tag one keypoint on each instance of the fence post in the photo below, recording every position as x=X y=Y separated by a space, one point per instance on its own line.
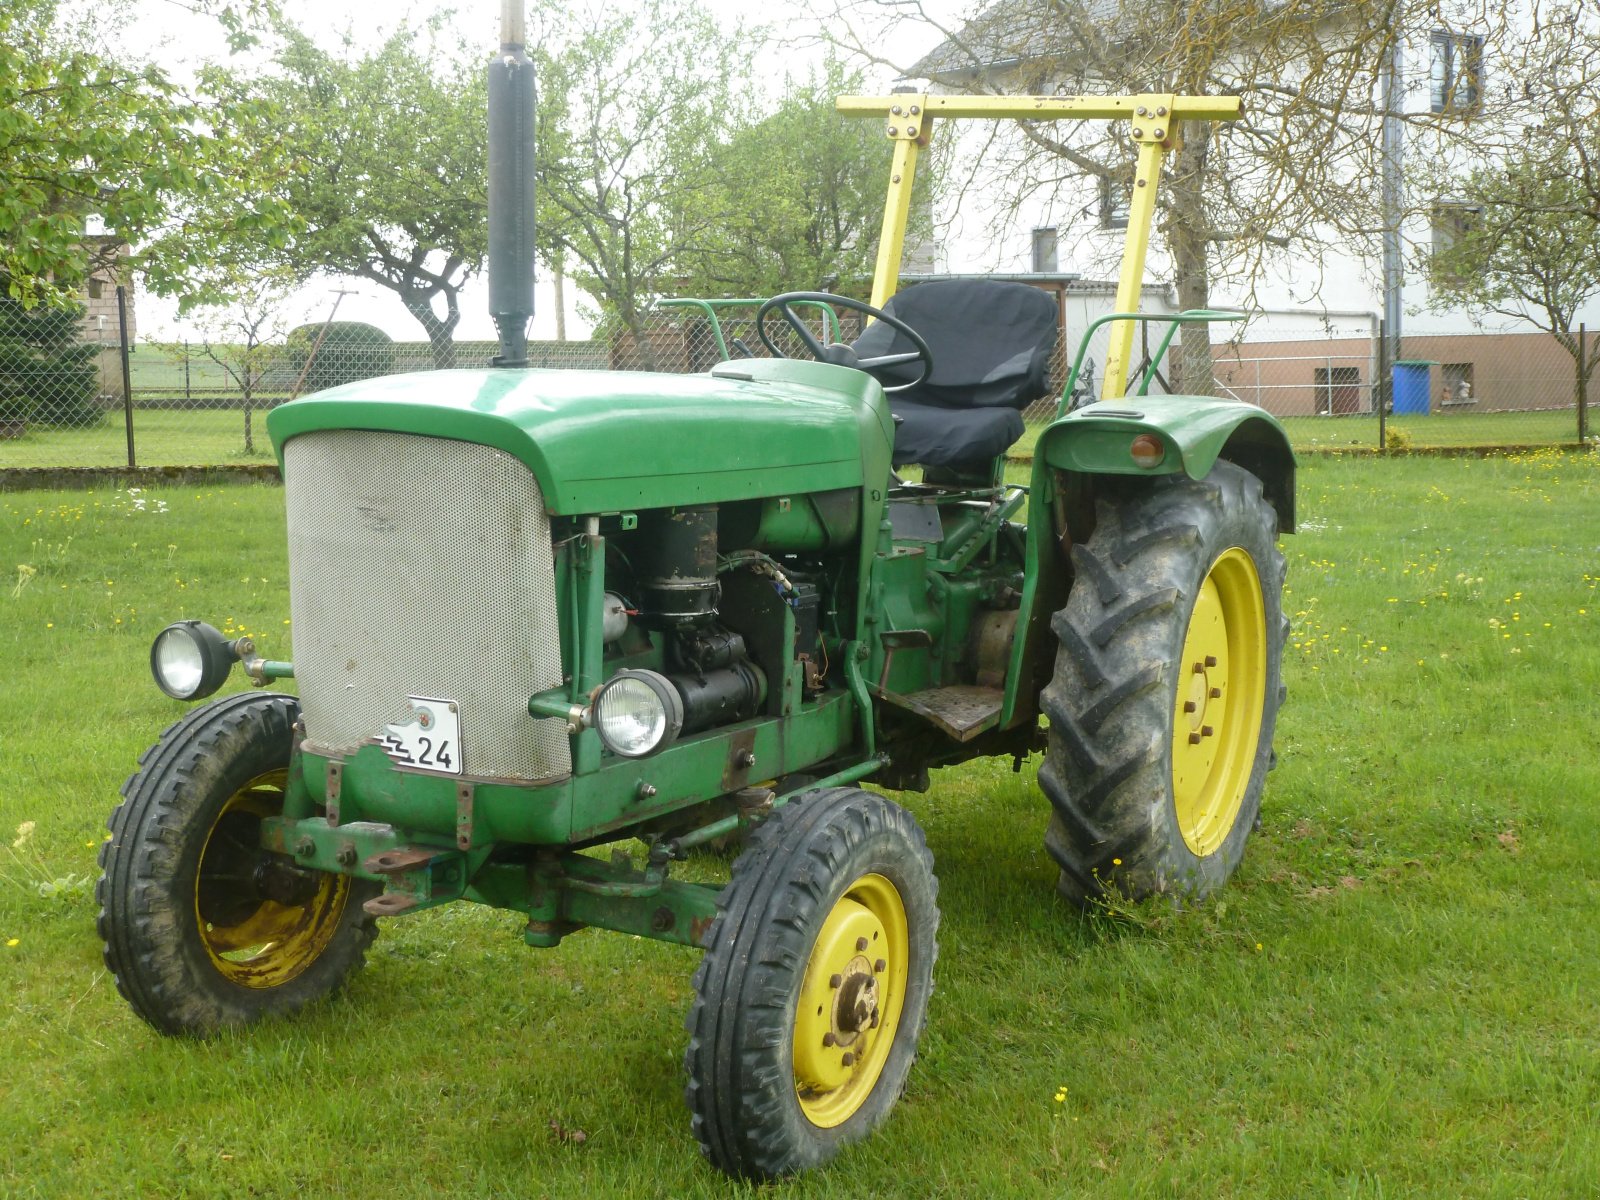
x=127 y=371
x=1583 y=385
x=187 y=397
x=1380 y=386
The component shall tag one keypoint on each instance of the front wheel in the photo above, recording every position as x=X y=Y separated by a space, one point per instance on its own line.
x=202 y=927
x=1166 y=688
x=815 y=984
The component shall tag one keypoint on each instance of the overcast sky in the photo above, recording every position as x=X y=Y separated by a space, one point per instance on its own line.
x=165 y=32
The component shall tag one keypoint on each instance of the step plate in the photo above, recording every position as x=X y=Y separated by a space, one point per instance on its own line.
x=963 y=711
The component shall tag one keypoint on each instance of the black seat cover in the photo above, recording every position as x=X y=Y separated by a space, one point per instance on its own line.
x=991 y=346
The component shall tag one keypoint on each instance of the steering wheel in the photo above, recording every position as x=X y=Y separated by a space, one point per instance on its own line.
x=838 y=353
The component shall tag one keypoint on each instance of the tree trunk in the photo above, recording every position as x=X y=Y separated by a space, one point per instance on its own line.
x=440 y=330
x=1187 y=230
x=642 y=345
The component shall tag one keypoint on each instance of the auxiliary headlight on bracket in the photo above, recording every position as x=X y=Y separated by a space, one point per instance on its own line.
x=637 y=713
x=191 y=659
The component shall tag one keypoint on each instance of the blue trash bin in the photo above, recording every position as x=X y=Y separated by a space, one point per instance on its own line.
x=1412 y=381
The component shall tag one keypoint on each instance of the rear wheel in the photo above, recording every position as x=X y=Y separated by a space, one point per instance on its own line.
x=1166 y=688
x=815 y=984
x=201 y=926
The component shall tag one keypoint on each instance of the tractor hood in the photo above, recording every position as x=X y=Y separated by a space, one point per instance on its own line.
x=601 y=441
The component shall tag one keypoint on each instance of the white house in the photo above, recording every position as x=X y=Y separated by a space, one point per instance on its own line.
x=1459 y=70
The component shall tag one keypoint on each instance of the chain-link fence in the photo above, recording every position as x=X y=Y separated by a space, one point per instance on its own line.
x=63 y=404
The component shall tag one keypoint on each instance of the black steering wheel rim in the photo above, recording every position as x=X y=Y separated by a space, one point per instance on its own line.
x=781 y=303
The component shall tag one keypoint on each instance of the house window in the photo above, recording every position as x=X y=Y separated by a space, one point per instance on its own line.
x=1115 y=201
x=1452 y=222
x=1044 y=251
x=1456 y=72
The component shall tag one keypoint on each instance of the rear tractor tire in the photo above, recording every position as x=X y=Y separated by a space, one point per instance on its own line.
x=814 y=988
x=202 y=928
x=1166 y=689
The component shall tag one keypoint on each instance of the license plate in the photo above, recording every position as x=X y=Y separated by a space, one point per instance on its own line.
x=430 y=740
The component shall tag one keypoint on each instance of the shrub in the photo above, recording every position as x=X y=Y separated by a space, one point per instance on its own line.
x=350 y=350
x=47 y=374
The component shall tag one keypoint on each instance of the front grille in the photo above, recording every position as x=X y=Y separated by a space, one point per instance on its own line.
x=421 y=566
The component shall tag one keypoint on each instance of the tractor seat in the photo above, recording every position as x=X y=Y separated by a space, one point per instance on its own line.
x=991 y=346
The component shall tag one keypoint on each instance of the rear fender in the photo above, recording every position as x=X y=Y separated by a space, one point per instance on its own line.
x=1093 y=442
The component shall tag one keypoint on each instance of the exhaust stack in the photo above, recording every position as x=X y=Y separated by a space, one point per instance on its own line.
x=511 y=176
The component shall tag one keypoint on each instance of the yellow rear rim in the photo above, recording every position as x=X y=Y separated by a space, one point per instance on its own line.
x=253 y=940
x=1216 y=728
x=850 y=1001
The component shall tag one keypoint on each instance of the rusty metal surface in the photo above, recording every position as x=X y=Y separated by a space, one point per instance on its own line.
x=335 y=776
x=741 y=760
x=392 y=862
x=962 y=711
x=464 y=815
x=390 y=904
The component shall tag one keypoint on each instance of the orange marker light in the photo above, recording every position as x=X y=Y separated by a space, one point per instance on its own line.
x=1147 y=451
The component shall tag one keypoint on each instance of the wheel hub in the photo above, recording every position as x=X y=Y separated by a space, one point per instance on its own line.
x=1217 y=725
x=849 y=1003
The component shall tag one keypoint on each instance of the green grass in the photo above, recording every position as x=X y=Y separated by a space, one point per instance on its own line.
x=162 y=438
x=202 y=437
x=1543 y=428
x=1395 y=997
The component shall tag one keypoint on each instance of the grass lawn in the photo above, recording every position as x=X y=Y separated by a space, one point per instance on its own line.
x=207 y=437
x=1544 y=428
x=1395 y=997
x=162 y=437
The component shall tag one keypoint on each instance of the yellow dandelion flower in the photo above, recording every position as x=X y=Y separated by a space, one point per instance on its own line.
x=1116 y=862
x=13 y=941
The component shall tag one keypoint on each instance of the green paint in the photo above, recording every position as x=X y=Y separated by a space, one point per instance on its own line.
x=754 y=428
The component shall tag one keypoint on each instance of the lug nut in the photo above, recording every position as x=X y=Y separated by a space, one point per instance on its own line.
x=880 y=967
x=835 y=980
x=1211 y=660
x=1194 y=739
x=848 y=1059
x=1189 y=706
x=829 y=1040
x=1215 y=692
x=1206 y=731
x=861 y=943
x=1199 y=668
x=874 y=1023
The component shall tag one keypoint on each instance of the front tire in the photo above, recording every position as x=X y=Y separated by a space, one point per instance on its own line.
x=1166 y=688
x=815 y=984
x=201 y=927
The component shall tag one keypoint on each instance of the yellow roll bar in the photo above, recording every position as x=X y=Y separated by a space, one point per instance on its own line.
x=909 y=122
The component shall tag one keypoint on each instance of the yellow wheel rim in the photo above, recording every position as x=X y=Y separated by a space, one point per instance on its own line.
x=1221 y=694
x=253 y=940
x=850 y=1001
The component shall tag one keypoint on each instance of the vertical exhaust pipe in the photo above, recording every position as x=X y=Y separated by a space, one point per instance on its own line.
x=511 y=175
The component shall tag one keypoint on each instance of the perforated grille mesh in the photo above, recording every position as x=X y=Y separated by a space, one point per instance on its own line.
x=422 y=567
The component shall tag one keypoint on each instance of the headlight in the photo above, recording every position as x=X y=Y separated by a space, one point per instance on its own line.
x=638 y=713
x=190 y=660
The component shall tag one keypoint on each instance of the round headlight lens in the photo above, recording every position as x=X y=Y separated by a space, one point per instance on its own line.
x=637 y=713
x=190 y=660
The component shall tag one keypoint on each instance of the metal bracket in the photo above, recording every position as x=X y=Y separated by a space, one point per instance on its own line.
x=464 y=815
x=331 y=802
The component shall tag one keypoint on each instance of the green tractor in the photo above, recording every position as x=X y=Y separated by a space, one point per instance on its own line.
x=538 y=613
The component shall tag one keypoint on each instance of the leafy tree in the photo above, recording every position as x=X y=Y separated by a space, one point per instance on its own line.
x=47 y=372
x=802 y=199
x=632 y=114
x=83 y=135
x=1295 y=177
x=388 y=171
x=1530 y=251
